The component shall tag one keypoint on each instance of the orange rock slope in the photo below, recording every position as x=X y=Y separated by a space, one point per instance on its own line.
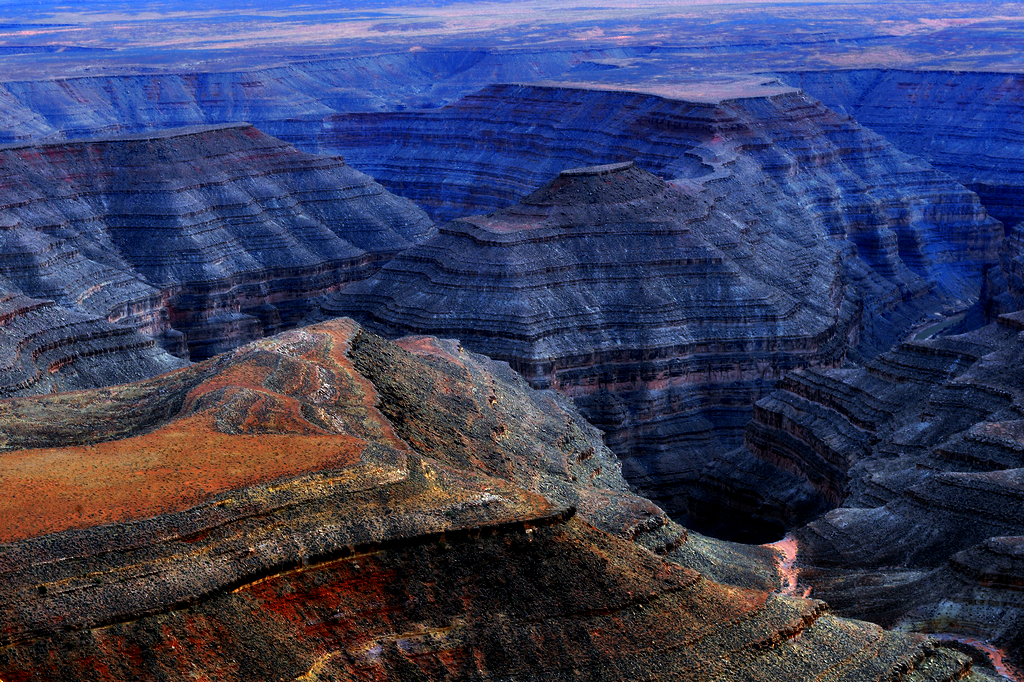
x=326 y=505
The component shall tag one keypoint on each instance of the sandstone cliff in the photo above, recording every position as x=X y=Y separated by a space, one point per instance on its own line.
x=271 y=514
x=220 y=234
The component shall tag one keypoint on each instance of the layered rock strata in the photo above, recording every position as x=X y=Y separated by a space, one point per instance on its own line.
x=916 y=232
x=270 y=515
x=923 y=448
x=47 y=349
x=966 y=123
x=220 y=234
x=666 y=309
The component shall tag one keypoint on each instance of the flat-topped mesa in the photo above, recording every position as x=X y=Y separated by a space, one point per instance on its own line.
x=326 y=504
x=218 y=232
x=661 y=315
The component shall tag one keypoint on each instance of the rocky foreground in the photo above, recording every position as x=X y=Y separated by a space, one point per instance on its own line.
x=328 y=505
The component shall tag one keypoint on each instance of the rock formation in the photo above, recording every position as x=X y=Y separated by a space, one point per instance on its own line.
x=289 y=511
x=916 y=232
x=649 y=307
x=965 y=123
x=665 y=310
x=217 y=233
x=47 y=349
x=922 y=449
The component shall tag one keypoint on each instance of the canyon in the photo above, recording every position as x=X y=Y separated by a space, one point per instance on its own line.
x=358 y=543
x=786 y=236
x=662 y=341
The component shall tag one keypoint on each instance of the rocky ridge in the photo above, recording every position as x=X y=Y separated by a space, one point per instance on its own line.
x=351 y=545
x=203 y=238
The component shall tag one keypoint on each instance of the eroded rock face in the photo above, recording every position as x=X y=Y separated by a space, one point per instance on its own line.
x=47 y=349
x=666 y=309
x=653 y=310
x=286 y=511
x=965 y=123
x=220 y=233
x=923 y=449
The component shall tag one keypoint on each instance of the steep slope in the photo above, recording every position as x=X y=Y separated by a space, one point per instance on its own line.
x=923 y=448
x=966 y=123
x=46 y=349
x=220 y=234
x=257 y=516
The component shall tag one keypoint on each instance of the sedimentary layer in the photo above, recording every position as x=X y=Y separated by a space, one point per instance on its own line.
x=217 y=233
x=285 y=511
x=922 y=449
x=966 y=123
x=47 y=349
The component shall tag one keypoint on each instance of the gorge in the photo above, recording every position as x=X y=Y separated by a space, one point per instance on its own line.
x=449 y=340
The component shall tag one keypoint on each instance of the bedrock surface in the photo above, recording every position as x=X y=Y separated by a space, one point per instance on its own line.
x=966 y=123
x=219 y=233
x=666 y=309
x=924 y=448
x=285 y=511
x=46 y=349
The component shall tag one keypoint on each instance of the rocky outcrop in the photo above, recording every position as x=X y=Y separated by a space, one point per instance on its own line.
x=922 y=449
x=965 y=123
x=271 y=514
x=221 y=234
x=652 y=309
x=771 y=250
x=47 y=349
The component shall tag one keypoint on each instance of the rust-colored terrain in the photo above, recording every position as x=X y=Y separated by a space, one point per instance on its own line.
x=327 y=505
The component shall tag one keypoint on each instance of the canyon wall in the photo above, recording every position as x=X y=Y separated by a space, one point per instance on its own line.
x=966 y=123
x=387 y=524
x=47 y=349
x=787 y=235
x=204 y=238
x=922 y=448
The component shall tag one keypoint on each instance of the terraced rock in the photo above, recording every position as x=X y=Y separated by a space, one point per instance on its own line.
x=640 y=301
x=966 y=123
x=788 y=236
x=47 y=349
x=286 y=511
x=217 y=233
x=923 y=451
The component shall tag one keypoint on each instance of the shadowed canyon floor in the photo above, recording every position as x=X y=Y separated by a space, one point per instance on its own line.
x=356 y=544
